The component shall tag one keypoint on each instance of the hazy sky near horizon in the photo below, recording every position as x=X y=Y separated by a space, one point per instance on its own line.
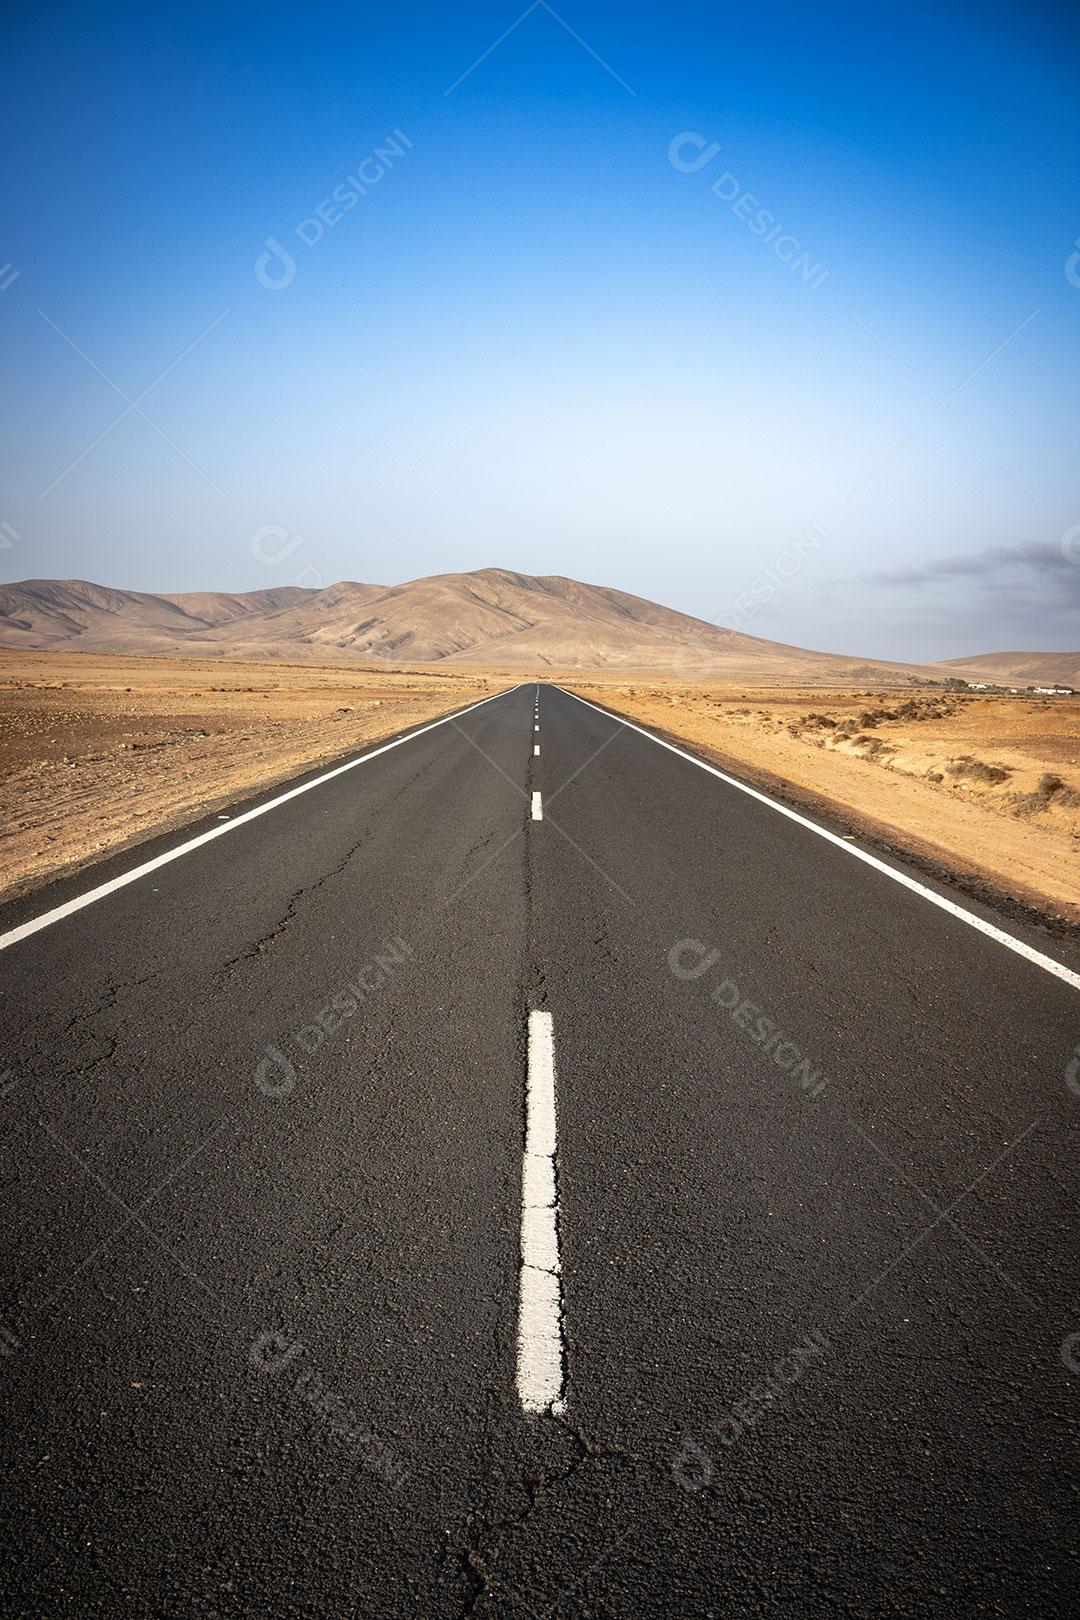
x=766 y=312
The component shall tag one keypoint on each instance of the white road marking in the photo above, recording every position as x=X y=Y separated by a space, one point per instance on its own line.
x=540 y=1336
x=1028 y=952
x=536 y=728
x=537 y=808
x=536 y=748
x=24 y=930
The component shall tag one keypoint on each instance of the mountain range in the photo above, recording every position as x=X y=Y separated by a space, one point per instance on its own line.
x=491 y=617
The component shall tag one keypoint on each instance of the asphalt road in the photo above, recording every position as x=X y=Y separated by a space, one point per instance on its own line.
x=817 y=1170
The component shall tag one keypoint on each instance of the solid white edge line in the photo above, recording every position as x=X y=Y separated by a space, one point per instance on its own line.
x=1029 y=953
x=24 y=930
x=540 y=1352
x=537 y=808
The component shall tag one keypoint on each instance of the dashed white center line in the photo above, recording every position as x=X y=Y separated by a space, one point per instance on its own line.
x=540 y=1335
x=537 y=808
x=536 y=728
x=536 y=748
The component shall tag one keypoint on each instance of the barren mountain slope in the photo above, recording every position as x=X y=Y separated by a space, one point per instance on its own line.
x=491 y=617
x=1019 y=668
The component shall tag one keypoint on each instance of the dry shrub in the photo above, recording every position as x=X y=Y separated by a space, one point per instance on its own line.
x=1029 y=804
x=976 y=770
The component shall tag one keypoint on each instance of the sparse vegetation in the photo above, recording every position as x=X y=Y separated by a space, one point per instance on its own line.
x=976 y=770
x=988 y=778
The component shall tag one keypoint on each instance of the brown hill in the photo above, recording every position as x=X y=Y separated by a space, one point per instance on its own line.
x=1019 y=668
x=491 y=617
x=68 y=612
x=219 y=607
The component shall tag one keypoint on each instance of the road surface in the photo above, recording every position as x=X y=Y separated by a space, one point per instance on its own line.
x=792 y=1152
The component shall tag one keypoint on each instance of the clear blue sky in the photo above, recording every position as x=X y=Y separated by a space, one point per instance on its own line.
x=536 y=341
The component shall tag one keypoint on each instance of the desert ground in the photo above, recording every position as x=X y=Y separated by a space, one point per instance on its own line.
x=99 y=752
x=984 y=786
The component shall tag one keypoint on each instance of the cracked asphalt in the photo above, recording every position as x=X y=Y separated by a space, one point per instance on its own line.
x=263 y=1114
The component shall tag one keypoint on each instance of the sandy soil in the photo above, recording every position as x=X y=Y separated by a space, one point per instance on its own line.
x=988 y=787
x=97 y=753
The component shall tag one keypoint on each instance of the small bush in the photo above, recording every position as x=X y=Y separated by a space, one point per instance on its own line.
x=976 y=770
x=1028 y=804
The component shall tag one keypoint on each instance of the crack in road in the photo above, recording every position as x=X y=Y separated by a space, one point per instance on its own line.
x=258 y=946
x=477 y=1558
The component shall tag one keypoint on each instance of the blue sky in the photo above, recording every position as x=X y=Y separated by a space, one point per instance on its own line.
x=536 y=340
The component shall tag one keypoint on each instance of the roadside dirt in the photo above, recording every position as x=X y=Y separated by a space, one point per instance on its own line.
x=984 y=787
x=97 y=753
